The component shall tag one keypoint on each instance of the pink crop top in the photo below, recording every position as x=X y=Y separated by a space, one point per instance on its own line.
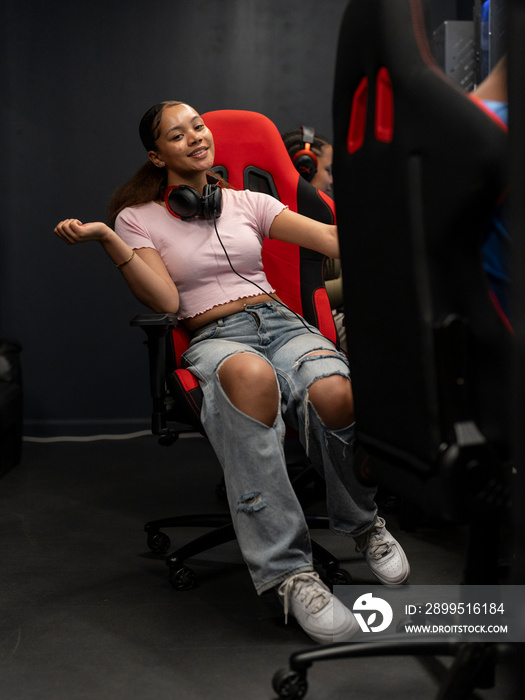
x=193 y=254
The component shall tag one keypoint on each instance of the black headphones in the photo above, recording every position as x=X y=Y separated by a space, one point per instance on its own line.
x=305 y=160
x=183 y=202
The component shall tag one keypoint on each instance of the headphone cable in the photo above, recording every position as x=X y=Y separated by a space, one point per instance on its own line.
x=305 y=324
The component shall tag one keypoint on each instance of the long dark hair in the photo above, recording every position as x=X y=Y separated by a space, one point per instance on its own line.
x=148 y=183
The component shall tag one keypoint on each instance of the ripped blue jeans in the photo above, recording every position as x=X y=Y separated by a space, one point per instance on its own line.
x=267 y=517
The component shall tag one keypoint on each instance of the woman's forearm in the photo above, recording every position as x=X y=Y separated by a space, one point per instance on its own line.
x=294 y=228
x=150 y=286
x=143 y=269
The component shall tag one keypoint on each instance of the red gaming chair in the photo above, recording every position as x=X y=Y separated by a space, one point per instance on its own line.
x=250 y=154
x=418 y=169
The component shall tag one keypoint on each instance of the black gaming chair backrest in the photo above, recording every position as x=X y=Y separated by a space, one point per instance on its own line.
x=418 y=168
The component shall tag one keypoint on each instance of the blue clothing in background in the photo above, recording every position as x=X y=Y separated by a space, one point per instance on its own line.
x=496 y=249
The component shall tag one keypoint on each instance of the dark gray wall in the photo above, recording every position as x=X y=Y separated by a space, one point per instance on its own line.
x=77 y=77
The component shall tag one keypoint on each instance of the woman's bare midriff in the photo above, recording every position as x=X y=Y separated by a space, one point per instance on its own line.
x=222 y=310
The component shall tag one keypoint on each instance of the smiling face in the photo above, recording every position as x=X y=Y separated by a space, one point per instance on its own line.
x=184 y=146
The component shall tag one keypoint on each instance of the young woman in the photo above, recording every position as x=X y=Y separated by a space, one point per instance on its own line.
x=258 y=364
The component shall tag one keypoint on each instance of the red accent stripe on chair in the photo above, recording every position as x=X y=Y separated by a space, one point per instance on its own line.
x=488 y=111
x=187 y=380
x=356 y=129
x=180 y=339
x=324 y=314
x=503 y=316
x=384 y=116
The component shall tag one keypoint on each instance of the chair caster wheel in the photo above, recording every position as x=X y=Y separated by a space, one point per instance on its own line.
x=182 y=579
x=289 y=684
x=159 y=542
x=340 y=577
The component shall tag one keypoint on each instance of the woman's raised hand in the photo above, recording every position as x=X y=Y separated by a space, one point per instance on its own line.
x=73 y=231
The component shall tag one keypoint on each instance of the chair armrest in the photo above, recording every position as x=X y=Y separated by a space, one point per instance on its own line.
x=166 y=320
x=156 y=327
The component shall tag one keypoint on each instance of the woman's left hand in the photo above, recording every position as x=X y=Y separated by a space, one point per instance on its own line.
x=73 y=231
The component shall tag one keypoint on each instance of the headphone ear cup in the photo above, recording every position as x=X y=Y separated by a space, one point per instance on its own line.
x=305 y=162
x=184 y=202
x=211 y=202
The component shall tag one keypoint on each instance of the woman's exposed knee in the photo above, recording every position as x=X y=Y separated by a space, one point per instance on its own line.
x=251 y=385
x=333 y=400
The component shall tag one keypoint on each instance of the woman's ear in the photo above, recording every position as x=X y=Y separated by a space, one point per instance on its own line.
x=154 y=157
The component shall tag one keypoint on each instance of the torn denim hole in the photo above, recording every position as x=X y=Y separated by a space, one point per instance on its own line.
x=328 y=435
x=316 y=354
x=250 y=502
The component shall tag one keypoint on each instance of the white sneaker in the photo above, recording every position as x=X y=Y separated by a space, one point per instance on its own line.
x=322 y=616
x=383 y=554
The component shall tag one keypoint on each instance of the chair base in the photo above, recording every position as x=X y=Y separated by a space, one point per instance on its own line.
x=474 y=664
x=183 y=578
x=473 y=667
